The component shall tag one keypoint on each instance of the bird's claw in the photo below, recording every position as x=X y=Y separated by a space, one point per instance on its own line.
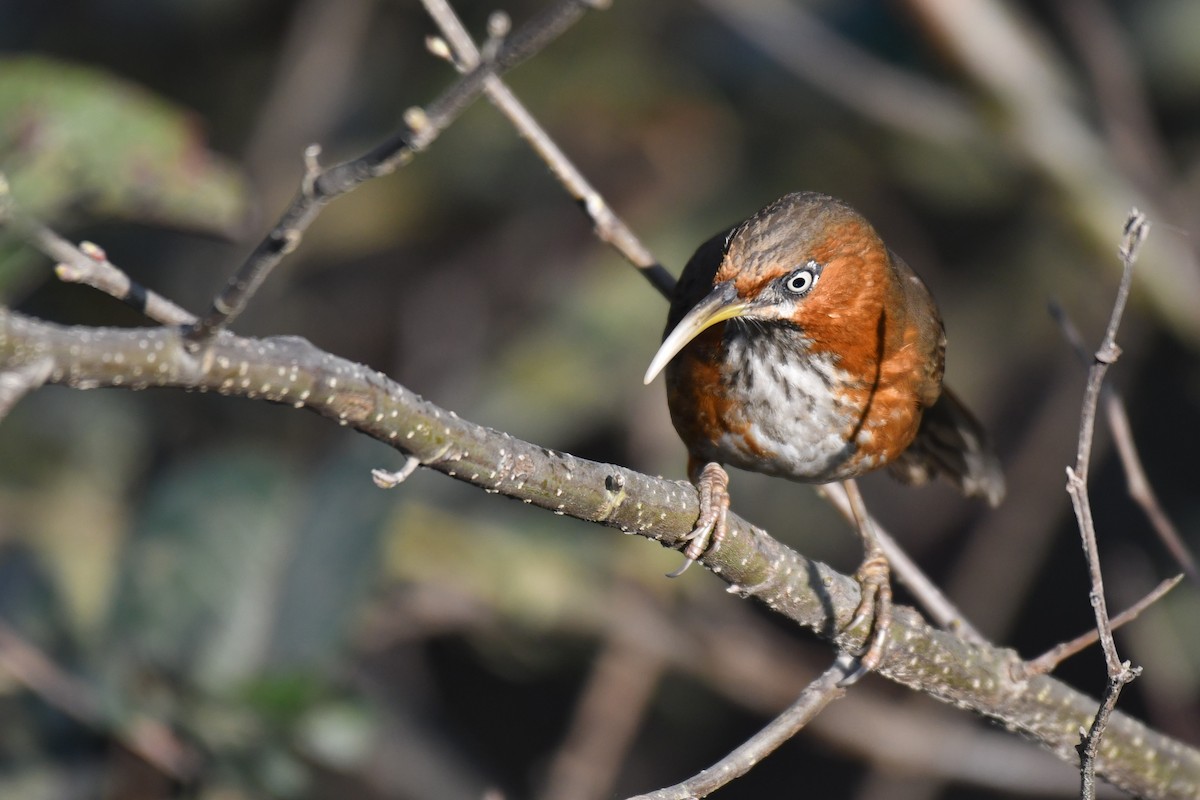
x=709 y=532
x=875 y=604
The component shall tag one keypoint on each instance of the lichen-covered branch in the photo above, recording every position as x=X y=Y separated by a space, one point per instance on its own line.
x=290 y=370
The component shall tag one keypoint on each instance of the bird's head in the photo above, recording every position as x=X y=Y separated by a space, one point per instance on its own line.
x=807 y=260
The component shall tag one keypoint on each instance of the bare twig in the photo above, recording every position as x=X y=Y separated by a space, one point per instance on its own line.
x=17 y=382
x=1135 y=231
x=1101 y=41
x=1089 y=747
x=1047 y=662
x=818 y=694
x=422 y=127
x=1141 y=490
x=385 y=479
x=148 y=739
x=609 y=227
x=994 y=46
x=745 y=659
x=928 y=595
x=88 y=264
x=313 y=76
x=848 y=74
x=1136 y=482
x=606 y=719
x=1119 y=673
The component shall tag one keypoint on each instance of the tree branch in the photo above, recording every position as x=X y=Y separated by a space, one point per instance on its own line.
x=422 y=127
x=1119 y=673
x=829 y=686
x=609 y=228
x=290 y=370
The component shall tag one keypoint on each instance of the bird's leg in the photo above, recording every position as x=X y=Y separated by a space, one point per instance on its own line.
x=713 y=484
x=874 y=578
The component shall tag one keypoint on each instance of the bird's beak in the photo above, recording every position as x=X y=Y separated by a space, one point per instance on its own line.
x=721 y=304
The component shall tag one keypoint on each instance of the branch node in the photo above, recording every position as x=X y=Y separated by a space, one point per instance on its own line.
x=1136 y=228
x=1108 y=353
x=312 y=170
x=390 y=480
x=93 y=251
x=498 y=27
x=289 y=241
x=416 y=119
x=20 y=381
x=614 y=484
x=68 y=273
x=438 y=47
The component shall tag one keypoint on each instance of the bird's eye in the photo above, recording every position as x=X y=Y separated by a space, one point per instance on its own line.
x=802 y=280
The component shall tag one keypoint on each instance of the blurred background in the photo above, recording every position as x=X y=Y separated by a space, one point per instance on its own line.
x=207 y=597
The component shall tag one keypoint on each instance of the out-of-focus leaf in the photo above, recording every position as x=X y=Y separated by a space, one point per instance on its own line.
x=340 y=735
x=74 y=516
x=334 y=554
x=73 y=136
x=204 y=567
x=236 y=568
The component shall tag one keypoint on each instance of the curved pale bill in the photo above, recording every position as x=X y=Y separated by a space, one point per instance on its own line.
x=722 y=303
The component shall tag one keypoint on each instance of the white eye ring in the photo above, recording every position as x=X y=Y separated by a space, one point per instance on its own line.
x=802 y=280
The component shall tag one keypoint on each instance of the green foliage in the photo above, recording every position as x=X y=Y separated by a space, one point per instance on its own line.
x=78 y=142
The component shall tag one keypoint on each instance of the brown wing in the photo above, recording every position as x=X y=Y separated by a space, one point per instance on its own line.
x=950 y=441
x=932 y=344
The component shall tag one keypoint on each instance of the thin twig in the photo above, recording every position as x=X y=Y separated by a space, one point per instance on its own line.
x=1119 y=673
x=606 y=719
x=849 y=75
x=387 y=479
x=1136 y=482
x=818 y=694
x=1048 y=662
x=1089 y=747
x=88 y=264
x=928 y=595
x=1102 y=43
x=422 y=127
x=148 y=739
x=1135 y=231
x=1141 y=490
x=21 y=380
x=609 y=227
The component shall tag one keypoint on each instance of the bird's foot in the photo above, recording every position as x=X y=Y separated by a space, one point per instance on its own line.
x=709 y=531
x=874 y=579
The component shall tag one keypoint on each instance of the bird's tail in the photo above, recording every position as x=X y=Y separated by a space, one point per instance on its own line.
x=952 y=443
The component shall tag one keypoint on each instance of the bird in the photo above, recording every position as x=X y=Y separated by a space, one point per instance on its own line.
x=799 y=345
